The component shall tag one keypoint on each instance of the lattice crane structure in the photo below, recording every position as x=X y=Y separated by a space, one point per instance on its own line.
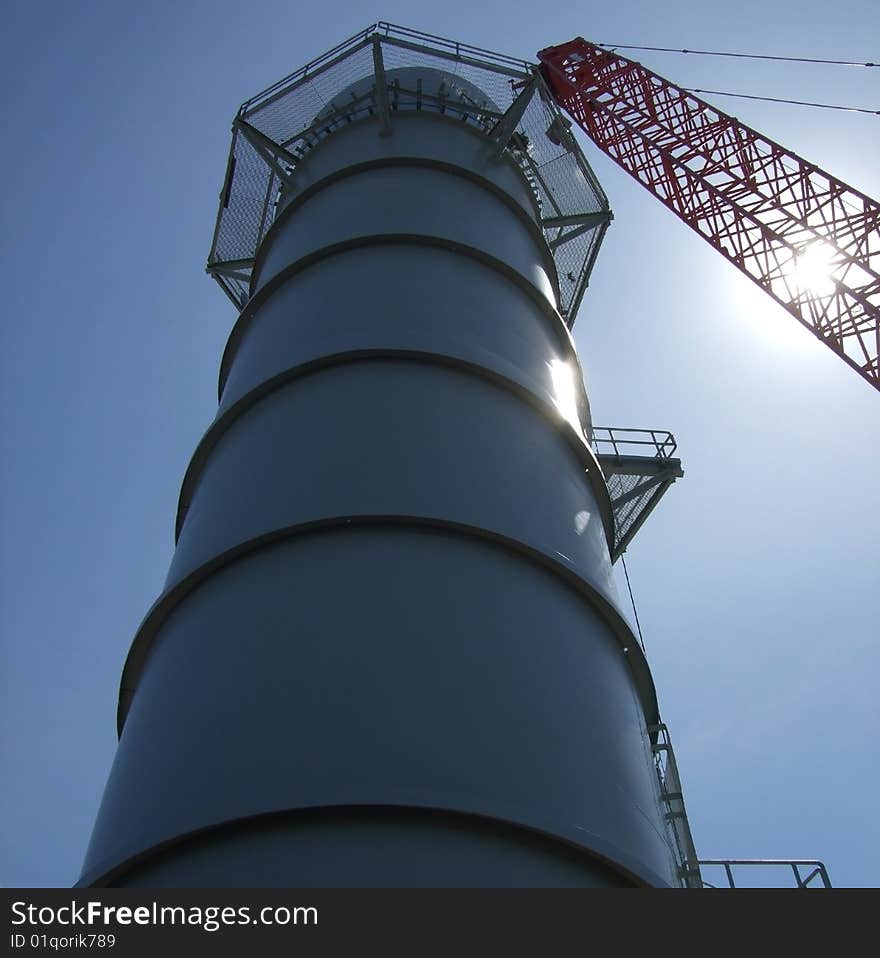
x=767 y=210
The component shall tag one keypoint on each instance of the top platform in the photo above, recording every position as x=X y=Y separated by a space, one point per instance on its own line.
x=502 y=96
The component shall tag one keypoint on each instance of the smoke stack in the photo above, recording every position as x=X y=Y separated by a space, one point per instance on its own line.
x=389 y=650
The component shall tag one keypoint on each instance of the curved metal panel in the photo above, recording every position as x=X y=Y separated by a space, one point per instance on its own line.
x=392 y=243
x=429 y=136
x=336 y=305
x=336 y=848
x=385 y=437
x=385 y=666
x=556 y=565
x=497 y=373
x=409 y=201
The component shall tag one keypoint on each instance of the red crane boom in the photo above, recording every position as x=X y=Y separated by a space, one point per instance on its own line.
x=764 y=208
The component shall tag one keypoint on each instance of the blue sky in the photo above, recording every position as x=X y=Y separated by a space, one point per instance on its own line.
x=756 y=579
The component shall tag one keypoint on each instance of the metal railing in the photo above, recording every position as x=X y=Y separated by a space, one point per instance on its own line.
x=276 y=129
x=452 y=48
x=635 y=442
x=818 y=873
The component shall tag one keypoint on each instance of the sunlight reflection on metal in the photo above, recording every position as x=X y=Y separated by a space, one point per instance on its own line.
x=564 y=393
x=580 y=521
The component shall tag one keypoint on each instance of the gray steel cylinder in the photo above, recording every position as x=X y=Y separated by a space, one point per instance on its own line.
x=388 y=651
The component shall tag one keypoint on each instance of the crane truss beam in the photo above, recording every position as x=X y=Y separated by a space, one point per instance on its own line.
x=765 y=209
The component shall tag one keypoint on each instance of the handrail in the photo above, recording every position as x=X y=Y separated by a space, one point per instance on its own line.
x=660 y=440
x=795 y=864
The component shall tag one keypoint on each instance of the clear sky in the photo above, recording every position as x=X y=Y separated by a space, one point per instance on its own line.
x=756 y=579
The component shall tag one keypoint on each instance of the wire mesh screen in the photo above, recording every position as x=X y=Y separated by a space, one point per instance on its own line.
x=628 y=512
x=293 y=109
x=566 y=188
x=276 y=129
x=245 y=214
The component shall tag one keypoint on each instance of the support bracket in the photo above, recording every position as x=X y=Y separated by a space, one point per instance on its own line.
x=269 y=150
x=581 y=223
x=505 y=128
x=382 y=104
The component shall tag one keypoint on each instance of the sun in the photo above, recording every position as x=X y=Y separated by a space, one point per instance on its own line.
x=813 y=267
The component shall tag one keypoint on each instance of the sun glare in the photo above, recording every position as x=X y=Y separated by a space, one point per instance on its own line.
x=813 y=268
